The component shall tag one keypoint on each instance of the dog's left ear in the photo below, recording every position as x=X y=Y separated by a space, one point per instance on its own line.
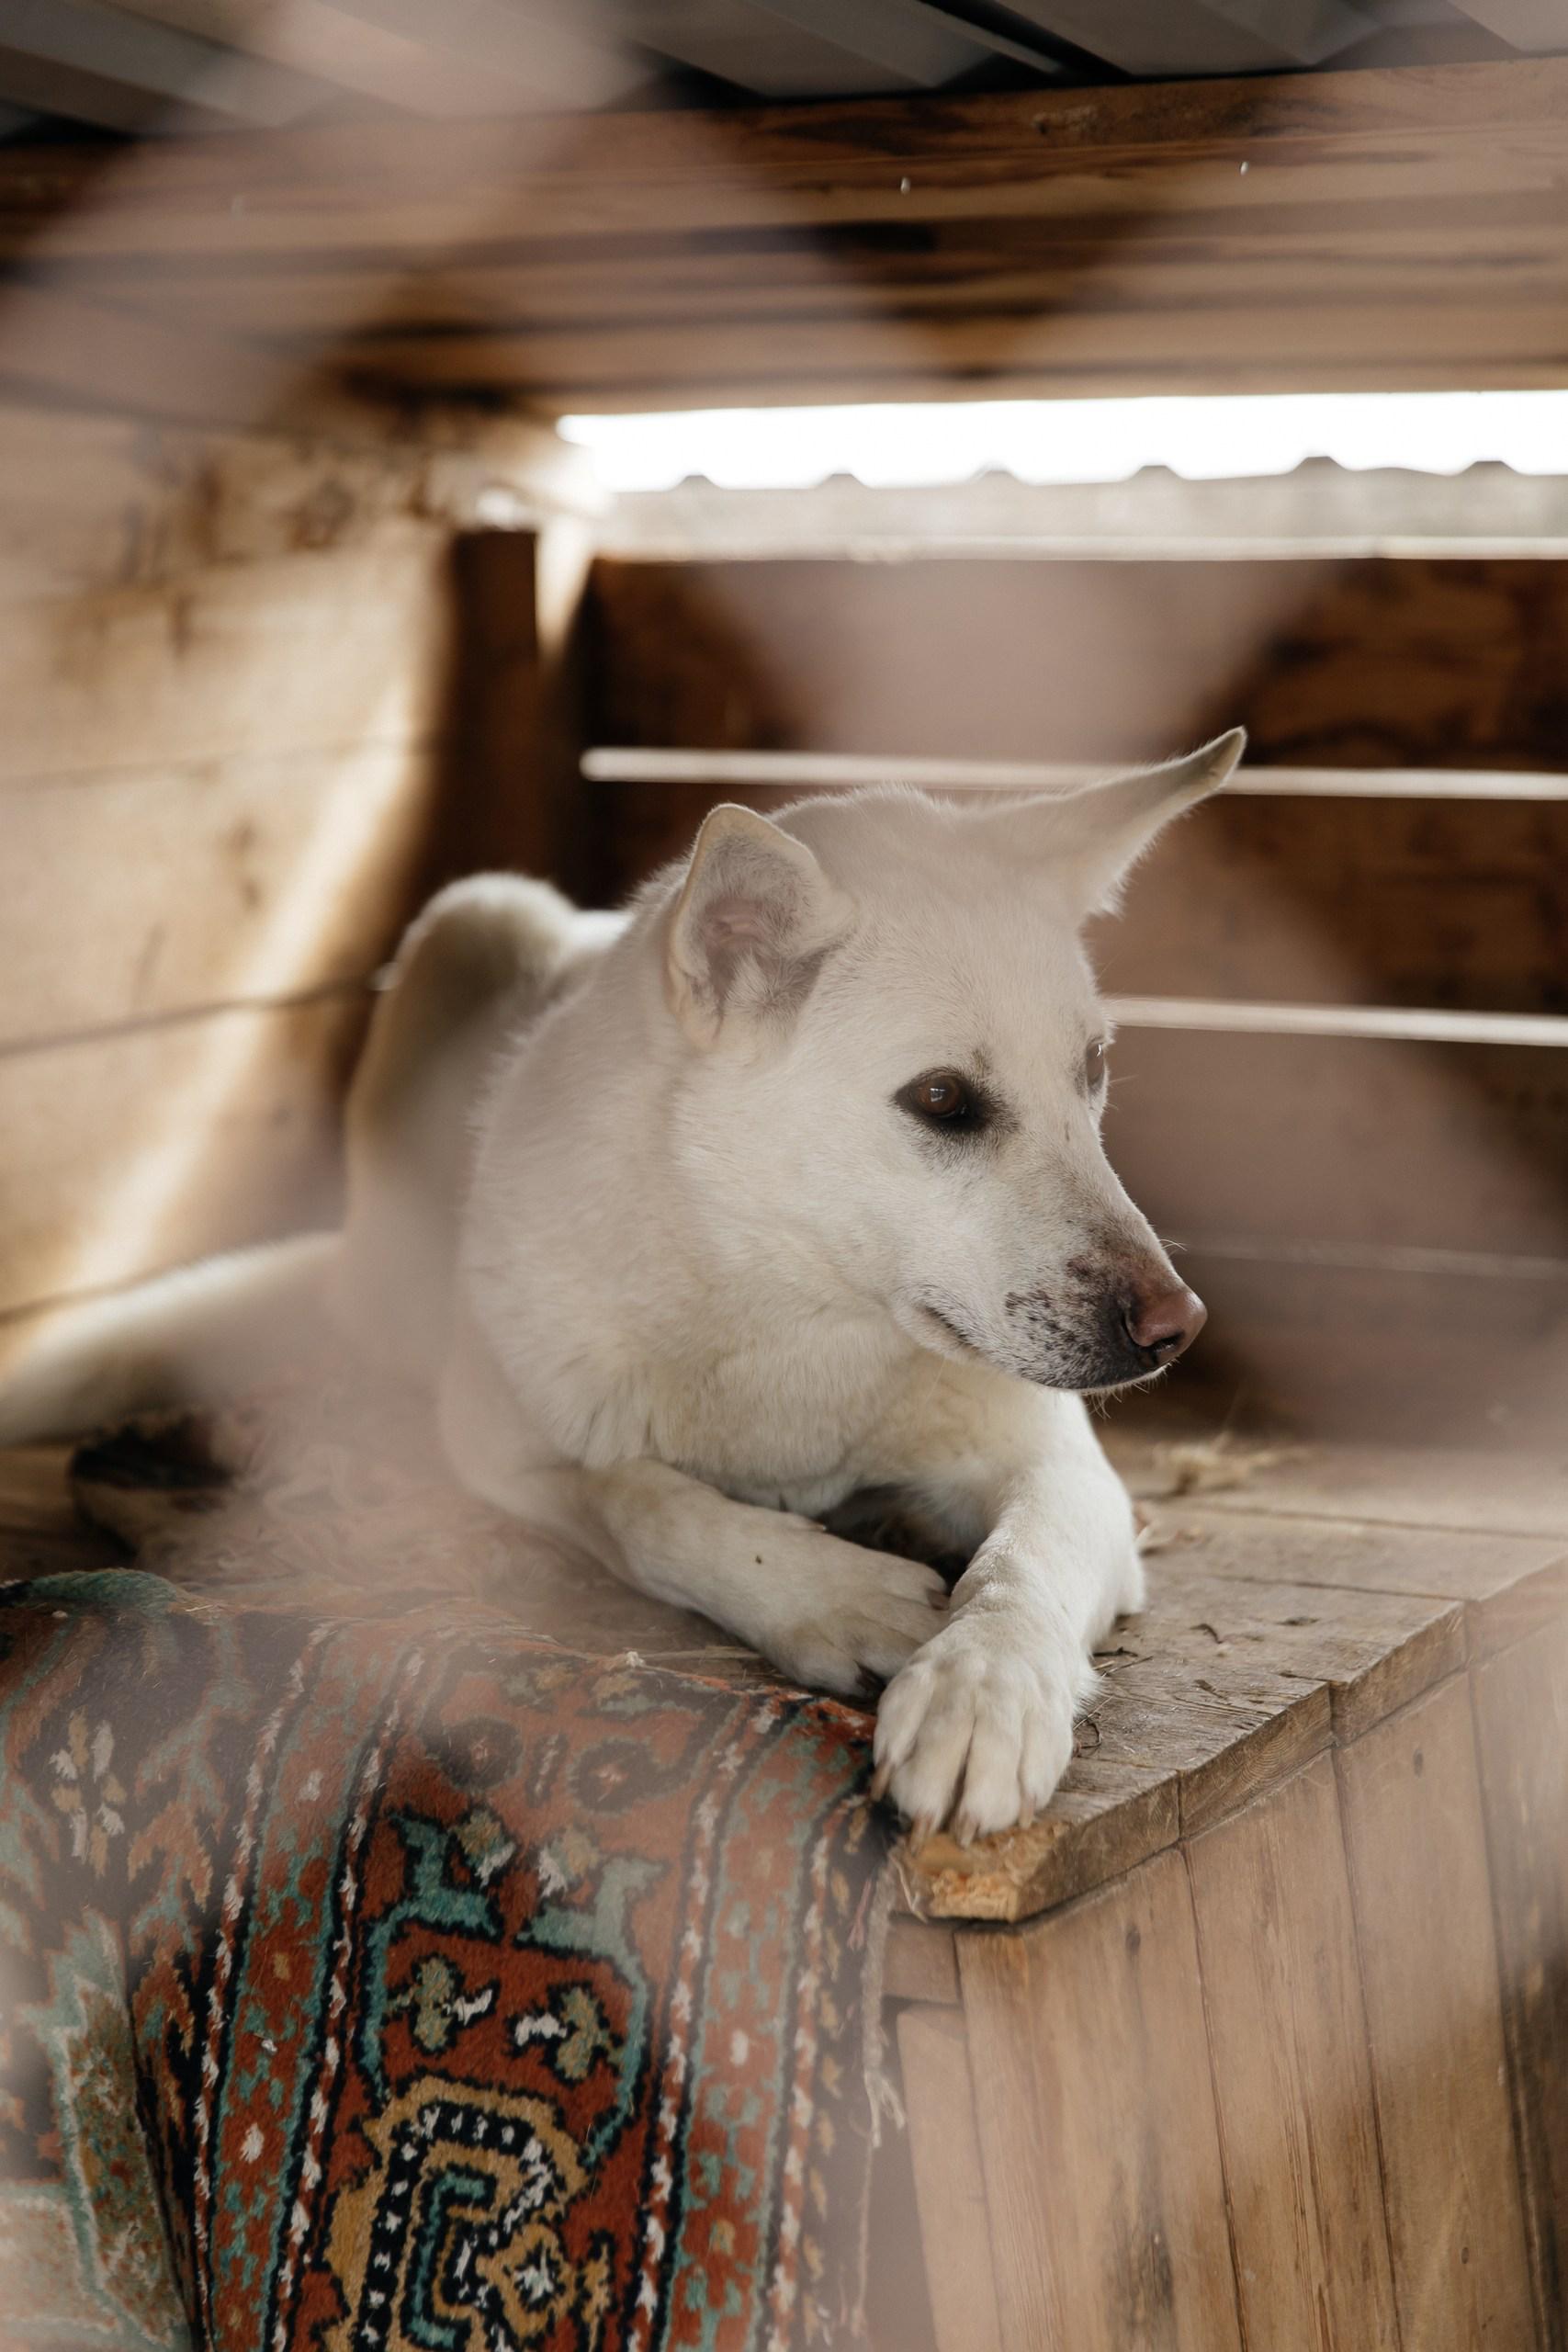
x=755 y=917
x=1097 y=834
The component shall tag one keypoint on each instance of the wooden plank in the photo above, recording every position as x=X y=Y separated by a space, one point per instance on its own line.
x=810 y=357
x=1366 y=1653
x=955 y=2240
x=159 y=71
x=1346 y=141
x=1096 y=2125
x=1413 y=663
x=1106 y=1817
x=227 y=664
x=91 y=502
x=1507 y=1585
x=1417 y=1855
x=95 y=352
x=427 y=73
x=972 y=269
x=919 y=1963
x=139 y=895
x=137 y=1150
x=1521 y=1716
x=1463 y=1490
x=1292 y=2080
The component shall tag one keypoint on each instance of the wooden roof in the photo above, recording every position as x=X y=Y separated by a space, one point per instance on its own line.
x=1390 y=228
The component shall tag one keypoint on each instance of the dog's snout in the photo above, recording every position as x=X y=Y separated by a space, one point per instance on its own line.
x=1164 y=1323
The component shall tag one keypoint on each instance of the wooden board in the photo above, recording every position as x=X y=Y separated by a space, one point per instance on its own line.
x=1096 y=2125
x=1376 y=227
x=939 y=2096
x=1292 y=2079
x=1508 y=1586
x=133 y=1151
x=160 y=891
x=93 y=503
x=1521 y=1721
x=1417 y=1855
x=226 y=665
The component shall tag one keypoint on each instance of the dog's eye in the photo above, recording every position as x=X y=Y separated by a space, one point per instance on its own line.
x=942 y=1098
x=1094 y=1064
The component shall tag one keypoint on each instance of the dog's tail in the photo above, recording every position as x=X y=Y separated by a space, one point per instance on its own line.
x=183 y=1336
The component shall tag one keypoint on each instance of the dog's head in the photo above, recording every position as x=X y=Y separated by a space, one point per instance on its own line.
x=898 y=1062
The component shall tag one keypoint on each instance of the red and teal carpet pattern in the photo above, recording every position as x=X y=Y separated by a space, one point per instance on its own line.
x=407 y=1983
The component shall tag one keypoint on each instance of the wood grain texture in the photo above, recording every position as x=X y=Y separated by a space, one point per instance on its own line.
x=1096 y=2125
x=955 y=2237
x=226 y=665
x=1292 y=2079
x=139 y=894
x=1372 y=227
x=133 y=1151
x=1507 y=1585
x=1416 y=1844
x=1521 y=1719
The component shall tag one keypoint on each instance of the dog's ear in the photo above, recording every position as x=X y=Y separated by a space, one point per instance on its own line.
x=755 y=917
x=1097 y=834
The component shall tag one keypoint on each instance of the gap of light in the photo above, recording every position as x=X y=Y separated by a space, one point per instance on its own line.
x=897 y=445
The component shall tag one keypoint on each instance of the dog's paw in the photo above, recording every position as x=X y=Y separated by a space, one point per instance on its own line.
x=978 y=1726
x=838 y=1617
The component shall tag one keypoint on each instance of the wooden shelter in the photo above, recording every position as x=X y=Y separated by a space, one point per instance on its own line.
x=1260 y=2038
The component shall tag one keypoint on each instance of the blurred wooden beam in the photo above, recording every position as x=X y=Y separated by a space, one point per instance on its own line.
x=109 y=359
x=105 y=66
x=1367 y=230
x=453 y=60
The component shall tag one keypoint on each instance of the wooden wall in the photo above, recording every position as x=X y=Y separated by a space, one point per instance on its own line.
x=239 y=740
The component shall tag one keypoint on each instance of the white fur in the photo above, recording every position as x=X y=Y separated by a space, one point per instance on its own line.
x=712 y=1281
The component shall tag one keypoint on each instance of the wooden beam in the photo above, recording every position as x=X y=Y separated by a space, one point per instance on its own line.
x=1380 y=227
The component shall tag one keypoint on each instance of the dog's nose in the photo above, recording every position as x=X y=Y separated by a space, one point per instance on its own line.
x=1164 y=1323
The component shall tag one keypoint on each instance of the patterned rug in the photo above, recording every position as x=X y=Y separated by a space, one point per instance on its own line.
x=377 y=1971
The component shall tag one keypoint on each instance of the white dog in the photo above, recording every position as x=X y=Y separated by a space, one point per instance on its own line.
x=780 y=1191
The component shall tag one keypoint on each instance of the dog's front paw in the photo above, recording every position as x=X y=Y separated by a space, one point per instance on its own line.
x=839 y=1617
x=978 y=1726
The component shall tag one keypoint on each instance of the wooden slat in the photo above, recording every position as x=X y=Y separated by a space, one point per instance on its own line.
x=1448 y=1489
x=132 y=1152
x=1096 y=2125
x=167 y=71
x=1510 y=1586
x=955 y=2238
x=426 y=72
x=1023 y=201
x=226 y=665
x=1340 y=141
x=1091 y=353
x=1521 y=1714
x=106 y=357
x=1292 y=2080
x=1414 y=1838
x=92 y=502
x=132 y=896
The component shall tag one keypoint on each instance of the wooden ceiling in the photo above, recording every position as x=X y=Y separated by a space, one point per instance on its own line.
x=1401 y=227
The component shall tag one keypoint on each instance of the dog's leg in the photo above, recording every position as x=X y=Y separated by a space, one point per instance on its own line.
x=980 y=1724
x=832 y=1615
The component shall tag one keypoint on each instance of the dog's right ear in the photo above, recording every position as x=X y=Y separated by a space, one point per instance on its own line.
x=755 y=917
